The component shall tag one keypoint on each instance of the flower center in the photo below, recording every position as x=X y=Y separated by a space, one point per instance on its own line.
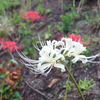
x=53 y=62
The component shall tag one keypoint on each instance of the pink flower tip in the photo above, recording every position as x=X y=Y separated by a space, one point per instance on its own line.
x=10 y=46
x=78 y=38
x=33 y=15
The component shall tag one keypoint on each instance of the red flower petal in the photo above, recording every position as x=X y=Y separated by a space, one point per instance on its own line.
x=10 y=46
x=78 y=38
x=33 y=15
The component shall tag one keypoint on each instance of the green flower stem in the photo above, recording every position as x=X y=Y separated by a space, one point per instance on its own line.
x=75 y=83
x=66 y=89
x=68 y=82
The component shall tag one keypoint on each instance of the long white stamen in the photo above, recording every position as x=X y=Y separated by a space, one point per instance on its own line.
x=52 y=53
x=36 y=47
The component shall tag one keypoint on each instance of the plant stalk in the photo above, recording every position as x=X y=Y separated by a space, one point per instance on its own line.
x=68 y=81
x=75 y=83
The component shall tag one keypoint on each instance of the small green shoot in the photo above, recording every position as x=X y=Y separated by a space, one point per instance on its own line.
x=69 y=85
x=40 y=8
x=67 y=20
x=48 y=34
x=96 y=99
x=48 y=11
x=86 y=85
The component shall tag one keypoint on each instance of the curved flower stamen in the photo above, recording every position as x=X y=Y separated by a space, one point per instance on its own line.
x=53 y=53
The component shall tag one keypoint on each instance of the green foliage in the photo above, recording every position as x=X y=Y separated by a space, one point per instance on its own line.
x=87 y=64
x=48 y=34
x=28 y=39
x=60 y=27
x=3 y=75
x=25 y=6
x=16 y=19
x=29 y=50
x=6 y=91
x=5 y=4
x=69 y=85
x=26 y=32
x=77 y=31
x=12 y=61
x=6 y=26
x=67 y=20
x=86 y=85
x=87 y=52
x=92 y=19
x=96 y=99
x=40 y=8
x=48 y=11
x=68 y=6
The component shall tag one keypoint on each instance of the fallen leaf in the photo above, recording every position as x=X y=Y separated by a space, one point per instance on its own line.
x=54 y=81
x=8 y=72
x=14 y=87
x=14 y=76
x=2 y=70
x=9 y=81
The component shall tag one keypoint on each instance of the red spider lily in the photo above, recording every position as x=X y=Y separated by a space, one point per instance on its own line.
x=78 y=38
x=10 y=46
x=33 y=15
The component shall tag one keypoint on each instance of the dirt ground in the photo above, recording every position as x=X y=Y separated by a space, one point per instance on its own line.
x=37 y=87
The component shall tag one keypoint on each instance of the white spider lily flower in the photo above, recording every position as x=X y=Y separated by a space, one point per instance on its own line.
x=54 y=46
x=26 y=59
x=45 y=63
x=29 y=63
x=68 y=44
x=52 y=53
x=77 y=49
x=85 y=59
x=59 y=44
x=80 y=58
x=50 y=60
x=50 y=56
x=47 y=48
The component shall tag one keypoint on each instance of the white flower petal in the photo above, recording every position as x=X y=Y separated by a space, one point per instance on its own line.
x=61 y=66
x=43 y=67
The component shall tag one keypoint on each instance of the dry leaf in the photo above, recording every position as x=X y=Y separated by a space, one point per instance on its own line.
x=14 y=76
x=9 y=81
x=2 y=70
x=14 y=87
x=8 y=72
x=54 y=81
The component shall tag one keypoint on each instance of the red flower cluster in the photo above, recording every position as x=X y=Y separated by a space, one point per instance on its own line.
x=9 y=46
x=78 y=38
x=33 y=15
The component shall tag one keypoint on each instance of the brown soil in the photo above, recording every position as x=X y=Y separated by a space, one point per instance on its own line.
x=36 y=87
